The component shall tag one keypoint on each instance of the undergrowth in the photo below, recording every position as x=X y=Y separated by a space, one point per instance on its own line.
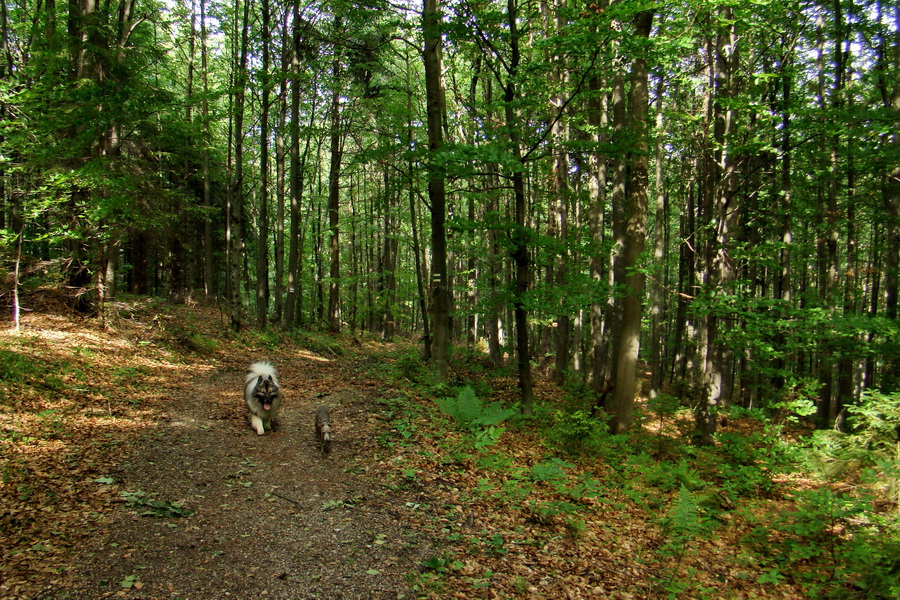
x=837 y=537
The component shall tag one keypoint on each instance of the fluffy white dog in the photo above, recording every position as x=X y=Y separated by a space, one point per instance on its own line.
x=262 y=395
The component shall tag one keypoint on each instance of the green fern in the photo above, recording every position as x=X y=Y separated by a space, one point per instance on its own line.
x=468 y=412
x=684 y=523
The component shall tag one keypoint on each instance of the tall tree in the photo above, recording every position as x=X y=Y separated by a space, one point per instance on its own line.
x=334 y=191
x=720 y=193
x=437 y=195
x=262 y=246
x=629 y=339
x=236 y=212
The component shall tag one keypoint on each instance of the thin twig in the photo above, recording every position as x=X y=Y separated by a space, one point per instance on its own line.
x=291 y=500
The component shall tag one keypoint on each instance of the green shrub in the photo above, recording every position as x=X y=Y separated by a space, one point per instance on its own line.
x=575 y=433
x=833 y=545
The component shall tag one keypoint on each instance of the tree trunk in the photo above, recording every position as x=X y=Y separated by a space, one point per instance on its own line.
x=598 y=118
x=891 y=378
x=281 y=171
x=437 y=196
x=209 y=287
x=237 y=194
x=629 y=339
x=657 y=339
x=719 y=263
x=521 y=234
x=334 y=193
x=262 y=245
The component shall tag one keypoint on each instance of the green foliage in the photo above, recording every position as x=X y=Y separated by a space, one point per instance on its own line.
x=683 y=523
x=203 y=344
x=831 y=544
x=577 y=434
x=411 y=367
x=800 y=401
x=876 y=421
x=160 y=509
x=551 y=471
x=871 y=444
x=15 y=366
x=469 y=413
x=487 y=437
x=320 y=343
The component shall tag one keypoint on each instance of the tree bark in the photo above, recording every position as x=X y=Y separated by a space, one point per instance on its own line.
x=209 y=287
x=521 y=235
x=437 y=195
x=334 y=194
x=724 y=222
x=262 y=244
x=629 y=339
x=237 y=194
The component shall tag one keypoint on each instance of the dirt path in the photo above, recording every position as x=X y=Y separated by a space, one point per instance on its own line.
x=273 y=517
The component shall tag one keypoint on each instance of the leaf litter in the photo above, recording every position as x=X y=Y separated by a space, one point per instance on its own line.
x=129 y=471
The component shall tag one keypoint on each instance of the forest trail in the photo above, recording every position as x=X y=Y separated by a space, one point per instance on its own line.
x=272 y=516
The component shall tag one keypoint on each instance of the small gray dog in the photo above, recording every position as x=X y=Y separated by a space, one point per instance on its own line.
x=323 y=429
x=262 y=395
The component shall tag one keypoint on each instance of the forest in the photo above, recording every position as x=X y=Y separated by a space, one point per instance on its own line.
x=665 y=208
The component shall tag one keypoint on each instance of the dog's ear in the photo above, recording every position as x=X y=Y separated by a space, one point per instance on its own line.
x=260 y=380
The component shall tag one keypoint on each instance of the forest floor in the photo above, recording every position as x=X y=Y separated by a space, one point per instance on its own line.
x=138 y=475
x=129 y=470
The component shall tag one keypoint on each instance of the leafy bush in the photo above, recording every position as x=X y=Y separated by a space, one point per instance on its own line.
x=552 y=471
x=203 y=344
x=800 y=401
x=876 y=421
x=831 y=544
x=871 y=446
x=683 y=523
x=410 y=366
x=575 y=433
x=664 y=475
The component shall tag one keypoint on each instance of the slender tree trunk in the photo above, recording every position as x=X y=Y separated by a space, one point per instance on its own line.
x=209 y=286
x=891 y=379
x=657 y=339
x=237 y=195
x=612 y=326
x=782 y=291
x=17 y=279
x=334 y=194
x=598 y=118
x=413 y=219
x=828 y=215
x=437 y=195
x=262 y=245
x=521 y=234
x=293 y=313
x=281 y=171
x=388 y=279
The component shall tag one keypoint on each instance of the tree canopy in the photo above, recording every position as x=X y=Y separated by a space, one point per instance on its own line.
x=709 y=190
